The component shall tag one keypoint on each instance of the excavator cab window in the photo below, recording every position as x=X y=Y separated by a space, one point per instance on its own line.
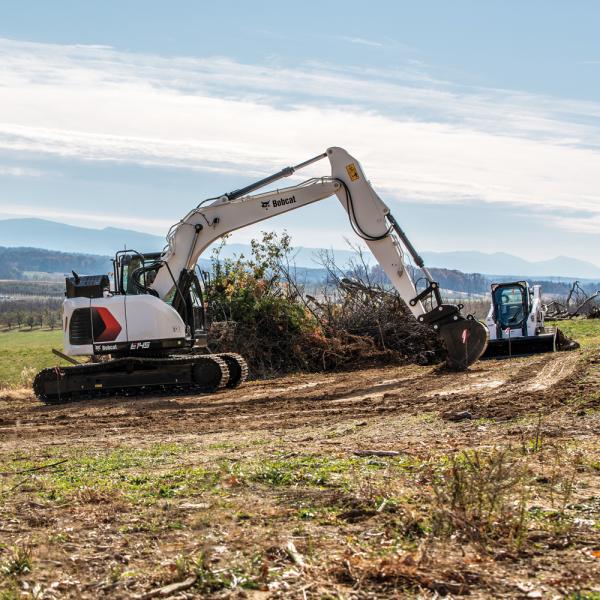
x=511 y=306
x=126 y=264
x=134 y=263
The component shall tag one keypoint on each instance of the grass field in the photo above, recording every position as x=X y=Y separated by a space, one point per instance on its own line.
x=27 y=350
x=585 y=331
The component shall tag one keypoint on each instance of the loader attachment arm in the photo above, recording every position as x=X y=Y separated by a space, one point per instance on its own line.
x=464 y=337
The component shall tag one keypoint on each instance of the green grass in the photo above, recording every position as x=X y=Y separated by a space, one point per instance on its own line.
x=322 y=471
x=26 y=349
x=18 y=562
x=136 y=475
x=585 y=331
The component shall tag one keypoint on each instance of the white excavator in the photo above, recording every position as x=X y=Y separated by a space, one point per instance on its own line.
x=148 y=330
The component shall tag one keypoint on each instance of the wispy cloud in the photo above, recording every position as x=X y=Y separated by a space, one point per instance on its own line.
x=10 y=171
x=420 y=139
x=84 y=219
x=360 y=41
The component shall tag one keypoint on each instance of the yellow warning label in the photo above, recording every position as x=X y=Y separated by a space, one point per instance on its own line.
x=352 y=172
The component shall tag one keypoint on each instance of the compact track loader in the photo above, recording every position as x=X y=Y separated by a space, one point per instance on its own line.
x=516 y=321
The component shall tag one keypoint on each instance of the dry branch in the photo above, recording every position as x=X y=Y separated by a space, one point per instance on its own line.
x=376 y=453
x=49 y=466
x=169 y=590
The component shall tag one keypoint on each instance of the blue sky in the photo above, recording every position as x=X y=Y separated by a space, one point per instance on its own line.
x=478 y=123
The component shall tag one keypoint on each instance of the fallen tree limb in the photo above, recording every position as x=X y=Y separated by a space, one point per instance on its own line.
x=169 y=590
x=376 y=453
x=49 y=466
x=296 y=557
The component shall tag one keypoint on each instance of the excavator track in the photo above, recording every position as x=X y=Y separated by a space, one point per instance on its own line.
x=198 y=373
x=238 y=368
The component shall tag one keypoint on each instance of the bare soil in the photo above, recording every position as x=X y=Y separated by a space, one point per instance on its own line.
x=258 y=447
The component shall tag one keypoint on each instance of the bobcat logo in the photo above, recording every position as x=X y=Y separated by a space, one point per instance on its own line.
x=265 y=204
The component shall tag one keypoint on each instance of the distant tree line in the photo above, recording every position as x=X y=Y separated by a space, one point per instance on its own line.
x=469 y=283
x=562 y=288
x=19 y=287
x=16 y=262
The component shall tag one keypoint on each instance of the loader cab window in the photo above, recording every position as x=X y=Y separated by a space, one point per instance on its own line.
x=510 y=303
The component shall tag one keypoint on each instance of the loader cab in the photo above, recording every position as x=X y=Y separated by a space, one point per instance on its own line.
x=133 y=275
x=512 y=304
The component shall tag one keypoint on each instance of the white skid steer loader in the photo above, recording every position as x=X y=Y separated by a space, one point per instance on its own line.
x=515 y=321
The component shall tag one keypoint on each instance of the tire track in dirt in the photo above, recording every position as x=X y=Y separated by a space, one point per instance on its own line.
x=499 y=388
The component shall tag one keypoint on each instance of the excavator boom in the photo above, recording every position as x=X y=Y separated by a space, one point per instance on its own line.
x=370 y=218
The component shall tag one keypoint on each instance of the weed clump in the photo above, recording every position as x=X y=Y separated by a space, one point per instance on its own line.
x=18 y=562
x=481 y=496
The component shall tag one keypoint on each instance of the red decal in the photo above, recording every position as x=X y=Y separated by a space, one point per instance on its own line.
x=113 y=329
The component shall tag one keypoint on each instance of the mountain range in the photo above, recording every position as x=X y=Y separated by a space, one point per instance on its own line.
x=40 y=233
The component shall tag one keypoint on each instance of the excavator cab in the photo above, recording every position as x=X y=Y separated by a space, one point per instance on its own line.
x=127 y=265
x=134 y=273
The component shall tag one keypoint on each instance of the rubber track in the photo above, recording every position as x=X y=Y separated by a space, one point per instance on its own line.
x=235 y=382
x=113 y=365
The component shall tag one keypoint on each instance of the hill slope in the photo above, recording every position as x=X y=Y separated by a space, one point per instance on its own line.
x=501 y=263
x=39 y=233
x=50 y=235
x=16 y=262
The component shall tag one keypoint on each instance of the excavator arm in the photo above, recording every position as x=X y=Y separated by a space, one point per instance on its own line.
x=464 y=337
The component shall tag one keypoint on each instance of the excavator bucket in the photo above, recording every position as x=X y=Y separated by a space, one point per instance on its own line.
x=465 y=340
x=521 y=346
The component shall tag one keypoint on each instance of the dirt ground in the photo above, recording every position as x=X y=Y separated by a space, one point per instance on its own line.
x=261 y=492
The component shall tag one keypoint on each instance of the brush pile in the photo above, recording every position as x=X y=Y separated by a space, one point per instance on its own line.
x=258 y=310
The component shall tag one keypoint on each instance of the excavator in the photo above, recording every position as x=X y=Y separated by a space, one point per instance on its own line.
x=148 y=329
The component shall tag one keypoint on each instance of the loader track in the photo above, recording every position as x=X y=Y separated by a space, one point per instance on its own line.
x=205 y=373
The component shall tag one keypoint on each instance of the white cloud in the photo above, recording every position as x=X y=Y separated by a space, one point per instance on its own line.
x=84 y=219
x=418 y=139
x=590 y=224
x=10 y=171
x=360 y=41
